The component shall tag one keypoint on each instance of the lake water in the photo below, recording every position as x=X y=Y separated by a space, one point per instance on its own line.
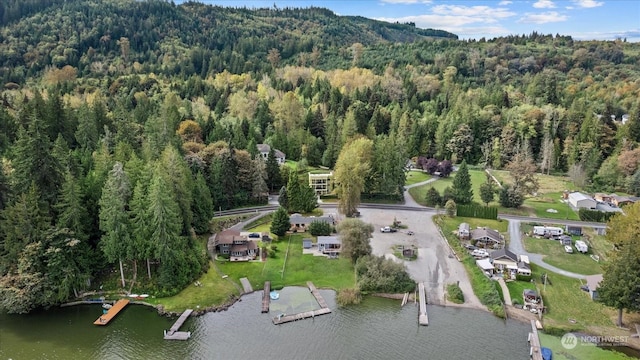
x=376 y=329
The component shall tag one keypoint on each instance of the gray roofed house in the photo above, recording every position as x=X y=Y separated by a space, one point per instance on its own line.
x=301 y=223
x=329 y=244
x=488 y=237
x=264 y=150
x=505 y=262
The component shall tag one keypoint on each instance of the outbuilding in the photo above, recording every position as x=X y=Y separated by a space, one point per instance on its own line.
x=581 y=201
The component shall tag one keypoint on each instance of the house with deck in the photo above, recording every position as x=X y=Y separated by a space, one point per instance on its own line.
x=505 y=262
x=485 y=237
x=238 y=246
x=321 y=183
x=329 y=245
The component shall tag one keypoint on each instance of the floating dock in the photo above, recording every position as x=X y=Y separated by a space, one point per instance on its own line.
x=535 y=352
x=112 y=312
x=266 y=298
x=324 y=309
x=173 y=333
x=423 y=319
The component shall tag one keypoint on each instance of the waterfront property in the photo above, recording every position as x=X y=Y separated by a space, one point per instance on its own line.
x=173 y=333
x=238 y=246
x=324 y=308
x=329 y=245
x=485 y=237
x=301 y=223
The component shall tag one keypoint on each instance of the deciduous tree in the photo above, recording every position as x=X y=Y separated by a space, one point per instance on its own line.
x=351 y=170
x=355 y=235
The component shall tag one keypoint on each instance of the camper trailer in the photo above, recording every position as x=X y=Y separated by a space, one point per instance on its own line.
x=581 y=246
x=547 y=231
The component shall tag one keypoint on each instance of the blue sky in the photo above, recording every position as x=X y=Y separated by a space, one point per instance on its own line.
x=582 y=19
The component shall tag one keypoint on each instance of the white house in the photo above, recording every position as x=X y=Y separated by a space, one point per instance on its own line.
x=264 y=150
x=581 y=201
x=463 y=231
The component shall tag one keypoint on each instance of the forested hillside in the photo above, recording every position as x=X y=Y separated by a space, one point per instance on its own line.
x=124 y=124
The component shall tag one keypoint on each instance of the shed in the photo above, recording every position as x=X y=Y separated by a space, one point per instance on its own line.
x=574 y=230
x=485 y=265
x=593 y=282
x=407 y=252
x=530 y=296
x=581 y=201
x=306 y=243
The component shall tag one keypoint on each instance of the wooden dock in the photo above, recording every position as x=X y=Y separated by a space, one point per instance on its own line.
x=246 y=285
x=405 y=299
x=324 y=309
x=534 y=341
x=266 y=297
x=281 y=319
x=423 y=319
x=173 y=333
x=317 y=295
x=112 y=312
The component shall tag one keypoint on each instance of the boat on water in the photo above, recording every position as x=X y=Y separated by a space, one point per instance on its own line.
x=106 y=306
x=274 y=295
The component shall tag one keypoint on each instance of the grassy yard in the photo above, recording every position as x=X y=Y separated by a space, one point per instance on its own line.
x=477 y=178
x=555 y=255
x=416 y=177
x=517 y=287
x=213 y=291
x=582 y=352
x=299 y=268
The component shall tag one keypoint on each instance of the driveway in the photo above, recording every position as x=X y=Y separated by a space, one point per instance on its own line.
x=517 y=247
x=435 y=265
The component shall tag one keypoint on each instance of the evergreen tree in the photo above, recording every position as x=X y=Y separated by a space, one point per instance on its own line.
x=259 y=188
x=433 y=197
x=620 y=285
x=34 y=161
x=5 y=189
x=308 y=198
x=510 y=197
x=283 y=197
x=72 y=213
x=293 y=193
x=487 y=190
x=202 y=205
x=274 y=180
x=280 y=223
x=462 y=191
x=178 y=177
x=114 y=220
x=228 y=179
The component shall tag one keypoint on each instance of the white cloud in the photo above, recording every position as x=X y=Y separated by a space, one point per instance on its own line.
x=543 y=18
x=505 y=2
x=630 y=35
x=588 y=3
x=406 y=1
x=482 y=13
x=544 y=4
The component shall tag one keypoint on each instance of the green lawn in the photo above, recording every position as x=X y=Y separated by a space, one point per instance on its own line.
x=414 y=176
x=581 y=351
x=555 y=255
x=213 y=291
x=517 y=287
x=543 y=202
x=323 y=272
x=477 y=178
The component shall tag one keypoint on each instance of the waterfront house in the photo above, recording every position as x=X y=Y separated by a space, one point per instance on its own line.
x=329 y=245
x=505 y=262
x=238 y=246
x=486 y=266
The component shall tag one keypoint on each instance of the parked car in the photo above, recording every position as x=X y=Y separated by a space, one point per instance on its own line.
x=568 y=249
x=388 y=229
x=480 y=253
x=410 y=232
x=470 y=247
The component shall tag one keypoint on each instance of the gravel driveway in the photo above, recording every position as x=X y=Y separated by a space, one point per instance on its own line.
x=435 y=266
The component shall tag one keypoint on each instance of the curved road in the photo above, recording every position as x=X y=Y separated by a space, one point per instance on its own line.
x=516 y=246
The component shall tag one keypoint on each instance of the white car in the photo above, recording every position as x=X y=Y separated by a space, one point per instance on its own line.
x=568 y=249
x=480 y=253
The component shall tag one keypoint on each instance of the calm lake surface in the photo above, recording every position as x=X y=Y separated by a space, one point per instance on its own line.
x=376 y=329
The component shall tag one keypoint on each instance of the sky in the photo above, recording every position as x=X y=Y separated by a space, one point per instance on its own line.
x=469 y=19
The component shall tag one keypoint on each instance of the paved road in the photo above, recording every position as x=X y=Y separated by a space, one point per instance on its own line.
x=517 y=247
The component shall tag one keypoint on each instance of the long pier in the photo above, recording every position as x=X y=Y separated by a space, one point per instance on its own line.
x=112 y=312
x=324 y=309
x=266 y=297
x=173 y=333
x=423 y=319
x=534 y=341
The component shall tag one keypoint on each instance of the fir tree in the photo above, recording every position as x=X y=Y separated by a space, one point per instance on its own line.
x=462 y=192
x=280 y=223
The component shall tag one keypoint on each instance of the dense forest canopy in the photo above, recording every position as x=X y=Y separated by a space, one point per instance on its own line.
x=124 y=124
